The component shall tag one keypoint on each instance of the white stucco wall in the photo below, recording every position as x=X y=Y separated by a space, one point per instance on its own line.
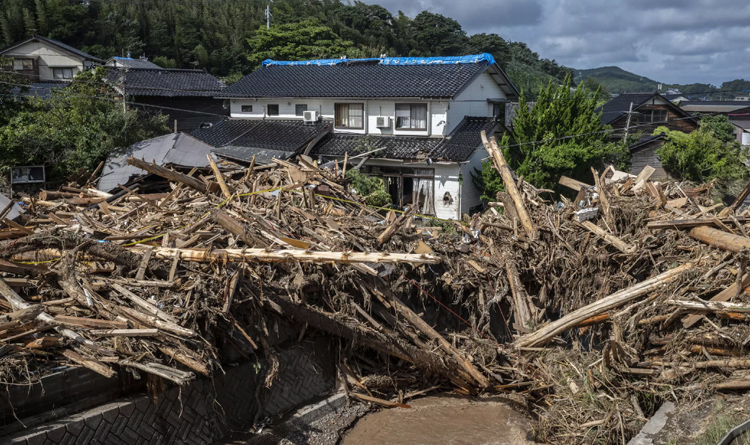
x=470 y=194
x=48 y=57
x=436 y=113
x=472 y=101
x=447 y=183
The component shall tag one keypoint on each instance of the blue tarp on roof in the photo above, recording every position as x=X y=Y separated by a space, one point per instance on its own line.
x=453 y=60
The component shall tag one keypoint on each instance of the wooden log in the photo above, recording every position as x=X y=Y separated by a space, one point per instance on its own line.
x=232 y=226
x=718 y=238
x=45 y=343
x=219 y=177
x=548 y=332
x=416 y=321
x=427 y=361
x=168 y=174
x=520 y=299
x=616 y=242
x=603 y=199
x=175 y=375
x=690 y=223
x=733 y=385
x=262 y=255
x=507 y=175
x=143 y=304
x=698 y=349
x=710 y=306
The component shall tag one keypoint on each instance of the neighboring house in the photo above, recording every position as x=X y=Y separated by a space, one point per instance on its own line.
x=174 y=149
x=187 y=96
x=42 y=90
x=43 y=59
x=650 y=110
x=415 y=122
x=128 y=62
x=643 y=153
x=741 y=119
x=712 y=106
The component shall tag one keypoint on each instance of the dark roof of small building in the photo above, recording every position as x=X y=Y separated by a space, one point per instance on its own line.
x=645 y=140
x=620 y=105
x=57 y=43
x=241 y=139
x=365 y=78
x=738 y=103
x=167 y=82
x=458 y=146
x=40 y=89
x=128 y=62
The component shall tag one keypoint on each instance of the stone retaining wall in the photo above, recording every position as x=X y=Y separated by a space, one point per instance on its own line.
x=198 y=413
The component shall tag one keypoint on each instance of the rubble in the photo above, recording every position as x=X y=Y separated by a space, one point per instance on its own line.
x=589 y=321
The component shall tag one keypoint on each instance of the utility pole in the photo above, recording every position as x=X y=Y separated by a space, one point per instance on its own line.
x=268 y=16
x=122 y=85
x=627 y=126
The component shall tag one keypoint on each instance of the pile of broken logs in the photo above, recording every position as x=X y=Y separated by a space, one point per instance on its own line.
x=591 y=310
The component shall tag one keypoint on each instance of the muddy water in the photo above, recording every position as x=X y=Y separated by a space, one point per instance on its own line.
x=443 y=420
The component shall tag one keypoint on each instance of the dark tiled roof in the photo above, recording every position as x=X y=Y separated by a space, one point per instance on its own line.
x=645 y=140
x=167 y=82
x=620 y=105
x=738 y=103
x=361 y=79
x=458 y=146
x=128 y=62
x=241 y=139
x=40 y=89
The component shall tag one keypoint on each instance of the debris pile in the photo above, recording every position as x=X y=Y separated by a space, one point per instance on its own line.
x=591 y=311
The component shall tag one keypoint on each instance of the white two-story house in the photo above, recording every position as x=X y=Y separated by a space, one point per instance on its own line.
x=415 y=122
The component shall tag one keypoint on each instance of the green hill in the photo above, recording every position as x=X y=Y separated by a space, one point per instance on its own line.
x=617 y=80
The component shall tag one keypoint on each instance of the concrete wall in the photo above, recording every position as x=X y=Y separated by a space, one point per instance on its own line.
x=436 y=113
x=199 y=413
x=470 y=194
x=472 y=101
x=447 y=191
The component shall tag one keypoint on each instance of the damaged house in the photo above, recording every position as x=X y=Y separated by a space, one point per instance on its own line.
x=414 y=122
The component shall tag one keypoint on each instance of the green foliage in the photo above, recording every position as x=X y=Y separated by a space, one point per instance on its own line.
x=560 y=135
x=437 y=35
x=708 y=153
x=372 y=189
x=164 y=62
x=488 y=180
x=489 y=43
x=304 y=40
x=74 y=129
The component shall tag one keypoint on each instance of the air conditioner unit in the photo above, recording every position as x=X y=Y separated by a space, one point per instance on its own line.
x=310 y=116
x=383 y=122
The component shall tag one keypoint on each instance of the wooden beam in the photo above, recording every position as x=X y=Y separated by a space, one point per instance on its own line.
x=719 y=238
x=89 y=322
x=219 y=177
x=510 y=185
x=168 y=174
x=616 y=242
x=574 y=184
x=262 y=255
x=690 y=223
x=548 y=332
x=724 y=295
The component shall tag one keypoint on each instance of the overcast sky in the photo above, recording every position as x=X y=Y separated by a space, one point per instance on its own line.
x=670 y=41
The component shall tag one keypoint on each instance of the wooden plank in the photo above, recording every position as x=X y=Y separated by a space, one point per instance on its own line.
x=690 y=223
x=89 y=322
x=151 y=309
x=724 y=295
x=616 y=242
x=262 y=255
x=144 y=264
x=126 y=332
x=219 y=177
x=574 y=184
x=93 y=365
x=168 y=174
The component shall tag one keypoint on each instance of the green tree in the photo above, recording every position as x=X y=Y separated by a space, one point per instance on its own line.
x=705 y=154
x=165 y=62
x=372 y=189
x=560 y=135
x=489 y=43
x=437 y=35
x=305 y=40
x=78 y=127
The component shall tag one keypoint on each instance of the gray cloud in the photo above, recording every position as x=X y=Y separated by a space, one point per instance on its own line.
x=672 y=41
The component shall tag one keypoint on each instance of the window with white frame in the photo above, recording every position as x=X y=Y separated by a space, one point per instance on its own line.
x=411 y=116
x=62 y=73
x=350 y=116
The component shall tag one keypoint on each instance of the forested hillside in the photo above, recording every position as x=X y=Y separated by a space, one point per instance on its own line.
x=228 y=37
x=617 y=80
